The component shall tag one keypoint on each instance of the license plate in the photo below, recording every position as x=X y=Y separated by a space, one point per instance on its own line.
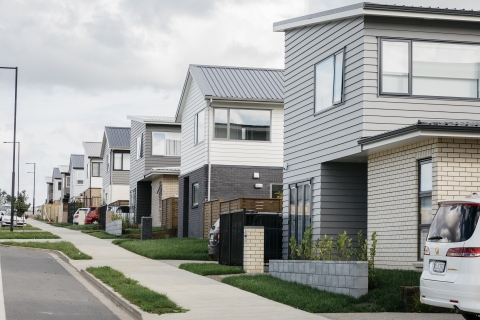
x=439 y=266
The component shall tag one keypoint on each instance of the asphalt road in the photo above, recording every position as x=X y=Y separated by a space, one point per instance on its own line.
x=37 y=286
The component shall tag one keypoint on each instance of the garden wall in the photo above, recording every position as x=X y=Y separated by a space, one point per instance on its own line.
x=114 y=227
x=345 y=277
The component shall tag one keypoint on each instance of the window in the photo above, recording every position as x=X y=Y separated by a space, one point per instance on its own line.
x=79 y=177
x=87 y=171
x=276 y=190
x=329 y=82
x=121 y=161
x=108 y=162
x=424 y=202
x=242 y=124
x=199 y=127
x=435 y=69
x=67 y=181
x=195 y=190
x=140 y=146
x=96 y=169
x=166 y=144
x=59 y=185
x=299 y=209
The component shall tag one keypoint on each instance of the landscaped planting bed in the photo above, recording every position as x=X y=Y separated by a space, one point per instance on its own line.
x=64 y=246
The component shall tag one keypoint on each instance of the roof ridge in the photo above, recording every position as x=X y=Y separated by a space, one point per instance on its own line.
x=233 y=67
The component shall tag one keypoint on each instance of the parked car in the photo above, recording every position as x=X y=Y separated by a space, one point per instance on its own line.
x=79 y=215
x=451 y=264
x=214 y=241
x=93 y=216
x=17 y=221
x=3 y=210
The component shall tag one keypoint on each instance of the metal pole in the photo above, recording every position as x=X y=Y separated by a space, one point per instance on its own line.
x=18 y=172
x=34 y=174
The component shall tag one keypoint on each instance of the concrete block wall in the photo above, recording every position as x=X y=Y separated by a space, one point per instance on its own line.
x=253 y=249
x=344 y=277
x=114 y=227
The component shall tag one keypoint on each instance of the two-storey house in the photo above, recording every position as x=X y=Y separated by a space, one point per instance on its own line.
x=155 y=145
x=57 y=185
x=92 y=164
x=65 y=192
x=382 y=121
x=232 y=138
x=115 y=152
x=76 y=177
x=48 y=181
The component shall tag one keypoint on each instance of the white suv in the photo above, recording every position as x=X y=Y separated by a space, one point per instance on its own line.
x=451 y=266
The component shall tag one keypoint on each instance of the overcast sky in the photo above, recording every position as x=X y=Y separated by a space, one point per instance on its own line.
x=88 y=64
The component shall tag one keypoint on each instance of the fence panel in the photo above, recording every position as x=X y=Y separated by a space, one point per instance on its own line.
x=102 y=221
x=169 y=217
x=211 y=213
x=255 y=204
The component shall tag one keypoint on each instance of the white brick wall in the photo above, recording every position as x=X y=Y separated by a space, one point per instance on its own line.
x=253 y=250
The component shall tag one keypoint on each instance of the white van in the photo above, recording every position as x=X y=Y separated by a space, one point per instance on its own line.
x=451 y=264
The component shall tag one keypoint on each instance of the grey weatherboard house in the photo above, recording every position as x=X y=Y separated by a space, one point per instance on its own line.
x=232 y=138
x=381 y=122
x=155 y=146
x=76 y=176
x=116 y=164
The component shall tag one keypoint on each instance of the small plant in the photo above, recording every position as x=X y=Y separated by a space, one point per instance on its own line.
x=293 y=248
x=372 y=279
x=324 y=248
x=117 y=216
x=362 y=253
x=343 y=247
x=305 y=250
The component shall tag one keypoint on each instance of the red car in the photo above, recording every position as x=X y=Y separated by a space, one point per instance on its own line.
x=92 y=216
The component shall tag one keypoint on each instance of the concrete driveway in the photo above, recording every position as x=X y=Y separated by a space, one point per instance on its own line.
x=391 y=316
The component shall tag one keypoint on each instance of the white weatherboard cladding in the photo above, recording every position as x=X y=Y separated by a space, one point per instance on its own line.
x=193 y=156
x=250 y=153
x=57 y=194
x=97 y=181
x=86 y=177
x=75 y=188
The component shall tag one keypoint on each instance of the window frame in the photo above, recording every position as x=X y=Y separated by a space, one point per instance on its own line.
x=195 y=128
x=139 y=147
x=99 y=169
x=342 y=95
x=228 y=125
x=295 y=186
x=83 y=177
x=165 y=153
x=67 y=181
x=410 y=94
x=59 y=186
x=196 y=186
x=275 y=184
x=121 y=163
x=420 y=195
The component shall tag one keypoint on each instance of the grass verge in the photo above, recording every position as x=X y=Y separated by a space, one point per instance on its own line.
x=384 y=298
x=168 y=249
x=28 y=235
x=210 y=269
x=148 y=300
x=129 y=233
x=17 y=229
x=75 y=227
x=64 y=246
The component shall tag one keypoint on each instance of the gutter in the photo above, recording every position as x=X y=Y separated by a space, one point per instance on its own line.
x=243 y=100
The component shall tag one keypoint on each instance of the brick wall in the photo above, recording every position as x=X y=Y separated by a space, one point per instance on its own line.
x=195 y=215
x=253 y=249
x=393 y=192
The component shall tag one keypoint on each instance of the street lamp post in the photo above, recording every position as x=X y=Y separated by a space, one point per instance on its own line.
x=18 y=168
x=34 y=169
x=14 y=144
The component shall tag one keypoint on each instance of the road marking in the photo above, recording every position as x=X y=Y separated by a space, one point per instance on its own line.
x=3 y=315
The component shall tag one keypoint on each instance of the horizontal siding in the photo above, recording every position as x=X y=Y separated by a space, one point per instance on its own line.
x=382 y=113
x=251 y=153
x=137 y=166
x=193 y=156
x=120 y=177
x=106 y=174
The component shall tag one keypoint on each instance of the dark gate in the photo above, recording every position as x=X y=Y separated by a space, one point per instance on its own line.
x=103 y=216
x=72 y=207
x=231 y=235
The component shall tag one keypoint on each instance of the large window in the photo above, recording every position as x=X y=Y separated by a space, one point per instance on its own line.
x=242 y=124
x=436 y=69
x=424 y=202
x=79 y=177
x=121 y=161
x=299 y=209
x=67 y=181
x=140 y=146
x=195 y=190
x=59 y=186
x=96 y=169
x=329 y=82
x=166 y=143
x=199 y=127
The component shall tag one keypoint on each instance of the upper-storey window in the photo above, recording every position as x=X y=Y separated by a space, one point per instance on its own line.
x=434 y=69
x=140 y=146
x=199 y=127
x=121 y=161
x=96 y=169
x=166 y=143
x=329 y=81
x=242 y=124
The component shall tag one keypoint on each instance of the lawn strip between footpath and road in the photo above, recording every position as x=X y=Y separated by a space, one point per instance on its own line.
x=64 y=246
x=28 y=235
x=17 y=229
x=210 y=269
x=384 y=298
x=131 y=233
x=148 y=300
x=168 y=249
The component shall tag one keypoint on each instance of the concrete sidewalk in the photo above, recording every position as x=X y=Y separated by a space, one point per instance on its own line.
x=204 y=297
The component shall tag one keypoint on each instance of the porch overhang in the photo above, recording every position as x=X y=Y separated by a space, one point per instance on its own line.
x=156 y=172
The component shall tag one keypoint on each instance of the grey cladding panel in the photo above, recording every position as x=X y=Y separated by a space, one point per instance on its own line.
x=159 y=161
x=137 y=166
x=120 y=177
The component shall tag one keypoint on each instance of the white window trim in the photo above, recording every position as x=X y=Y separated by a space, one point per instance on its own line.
x=195 y=128
x=165 y=151
x=228 y=126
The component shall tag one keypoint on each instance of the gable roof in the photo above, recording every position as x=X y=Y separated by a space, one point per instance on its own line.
x=63 y=168
x=118 y=137
x=92 y=149
x=235 y=84
x=76 y=161
x=48 y=179
x=56 y=174
x=153 y=119
x=375 y=9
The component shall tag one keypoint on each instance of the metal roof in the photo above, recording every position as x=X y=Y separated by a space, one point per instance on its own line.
x=76 y=161
x=48 y=179
x=92 y=149
x=56 y=174
x=153 y=119
x=118 y=137
x=438 y=125
x=63 y=168
x=376 y=9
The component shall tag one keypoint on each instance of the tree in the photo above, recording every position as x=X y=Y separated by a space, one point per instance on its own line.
x=3 y=197
x=21 y=205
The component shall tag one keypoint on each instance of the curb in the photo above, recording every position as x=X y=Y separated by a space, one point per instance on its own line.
x=115 y=297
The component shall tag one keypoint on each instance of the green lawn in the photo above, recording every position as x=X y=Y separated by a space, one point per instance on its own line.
x=148 y=300
x=28 y=235
x=75 y=227
x=16 y=229
x=64 y=246
x=385 y=298
x=168 y=249
x=210 y=269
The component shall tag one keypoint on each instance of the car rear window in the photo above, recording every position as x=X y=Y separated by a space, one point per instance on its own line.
x=454 y=222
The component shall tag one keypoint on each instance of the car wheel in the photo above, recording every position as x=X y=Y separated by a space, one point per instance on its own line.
x=470 y=316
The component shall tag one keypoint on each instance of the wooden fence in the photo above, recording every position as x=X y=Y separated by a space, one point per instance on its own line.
x=211 y=213
x=256 y=204
x=170 y=213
